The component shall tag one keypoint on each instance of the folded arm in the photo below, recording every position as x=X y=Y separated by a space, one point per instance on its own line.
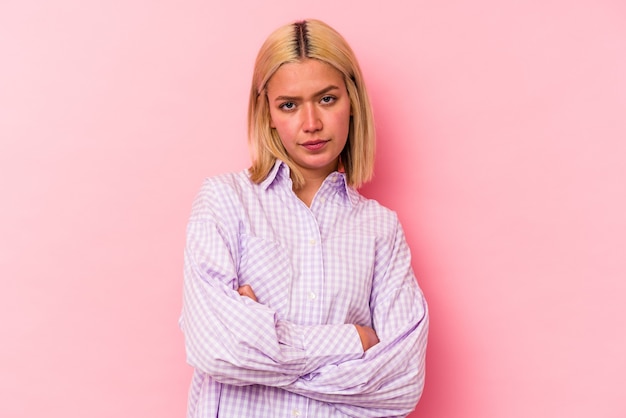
x=387 y=381
x=240 y=342
x=234 y=339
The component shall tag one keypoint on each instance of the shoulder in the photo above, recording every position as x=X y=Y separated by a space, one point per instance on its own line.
x=221 y=194
x=372 y=218
x=227 y=183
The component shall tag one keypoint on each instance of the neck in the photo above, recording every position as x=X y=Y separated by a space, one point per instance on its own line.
x=312 y=184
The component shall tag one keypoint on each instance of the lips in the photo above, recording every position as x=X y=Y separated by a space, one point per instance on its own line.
x=315 y=144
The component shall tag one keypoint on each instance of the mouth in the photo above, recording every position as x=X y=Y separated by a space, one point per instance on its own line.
x=315 y=145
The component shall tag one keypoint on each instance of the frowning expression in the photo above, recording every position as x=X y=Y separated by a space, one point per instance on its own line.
x=310 y=110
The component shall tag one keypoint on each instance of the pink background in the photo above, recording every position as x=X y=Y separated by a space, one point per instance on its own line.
x=502 y=146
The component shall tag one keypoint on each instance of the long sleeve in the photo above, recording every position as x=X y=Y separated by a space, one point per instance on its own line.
x=388 y=379
x=233 y=339
x=316 y=271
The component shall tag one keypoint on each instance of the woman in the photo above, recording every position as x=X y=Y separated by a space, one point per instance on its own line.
x=299 y=297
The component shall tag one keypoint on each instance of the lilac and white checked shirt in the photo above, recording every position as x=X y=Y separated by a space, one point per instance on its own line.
x=315 y=271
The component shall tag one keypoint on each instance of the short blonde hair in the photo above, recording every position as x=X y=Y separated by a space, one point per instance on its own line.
x=309 y=39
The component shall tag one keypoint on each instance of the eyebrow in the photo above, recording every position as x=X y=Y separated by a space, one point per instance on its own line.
x=319 y=93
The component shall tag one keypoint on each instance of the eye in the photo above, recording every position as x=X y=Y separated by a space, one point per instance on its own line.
x=328 y=99
x=287 y=106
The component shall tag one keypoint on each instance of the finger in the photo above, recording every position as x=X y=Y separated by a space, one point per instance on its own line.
x=247 y=291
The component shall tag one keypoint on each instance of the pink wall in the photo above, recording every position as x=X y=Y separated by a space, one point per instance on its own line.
x=502 y=146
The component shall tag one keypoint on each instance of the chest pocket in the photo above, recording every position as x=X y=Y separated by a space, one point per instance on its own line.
x=350 y=270
x=266 y=267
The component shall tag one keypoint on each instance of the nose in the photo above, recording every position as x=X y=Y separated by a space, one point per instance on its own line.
x=312 y=121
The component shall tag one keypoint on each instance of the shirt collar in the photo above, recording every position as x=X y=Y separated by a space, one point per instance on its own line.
x=337 y=180
x=279 y=172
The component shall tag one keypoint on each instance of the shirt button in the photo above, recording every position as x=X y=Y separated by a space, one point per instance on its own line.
x=312 y=295
x=312 y=242
x=295 y=413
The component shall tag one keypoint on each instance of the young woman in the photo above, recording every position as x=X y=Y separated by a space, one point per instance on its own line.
x=299 y=297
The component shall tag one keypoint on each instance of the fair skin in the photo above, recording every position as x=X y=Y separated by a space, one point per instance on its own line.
x=310 y=109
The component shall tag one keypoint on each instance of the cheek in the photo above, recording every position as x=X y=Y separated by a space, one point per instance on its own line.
x=281 y=124
x=283 y=128
x=342 y=123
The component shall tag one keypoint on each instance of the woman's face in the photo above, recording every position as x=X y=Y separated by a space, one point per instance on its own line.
x=310 y=110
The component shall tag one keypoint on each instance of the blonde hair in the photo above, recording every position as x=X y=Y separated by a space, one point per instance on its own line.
x=309 y=39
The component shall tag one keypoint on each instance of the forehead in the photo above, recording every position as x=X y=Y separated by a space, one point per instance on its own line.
x=310 y=75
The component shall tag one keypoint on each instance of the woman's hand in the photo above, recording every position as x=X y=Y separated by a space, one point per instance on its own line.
x=246 y=290
x=368 y=336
